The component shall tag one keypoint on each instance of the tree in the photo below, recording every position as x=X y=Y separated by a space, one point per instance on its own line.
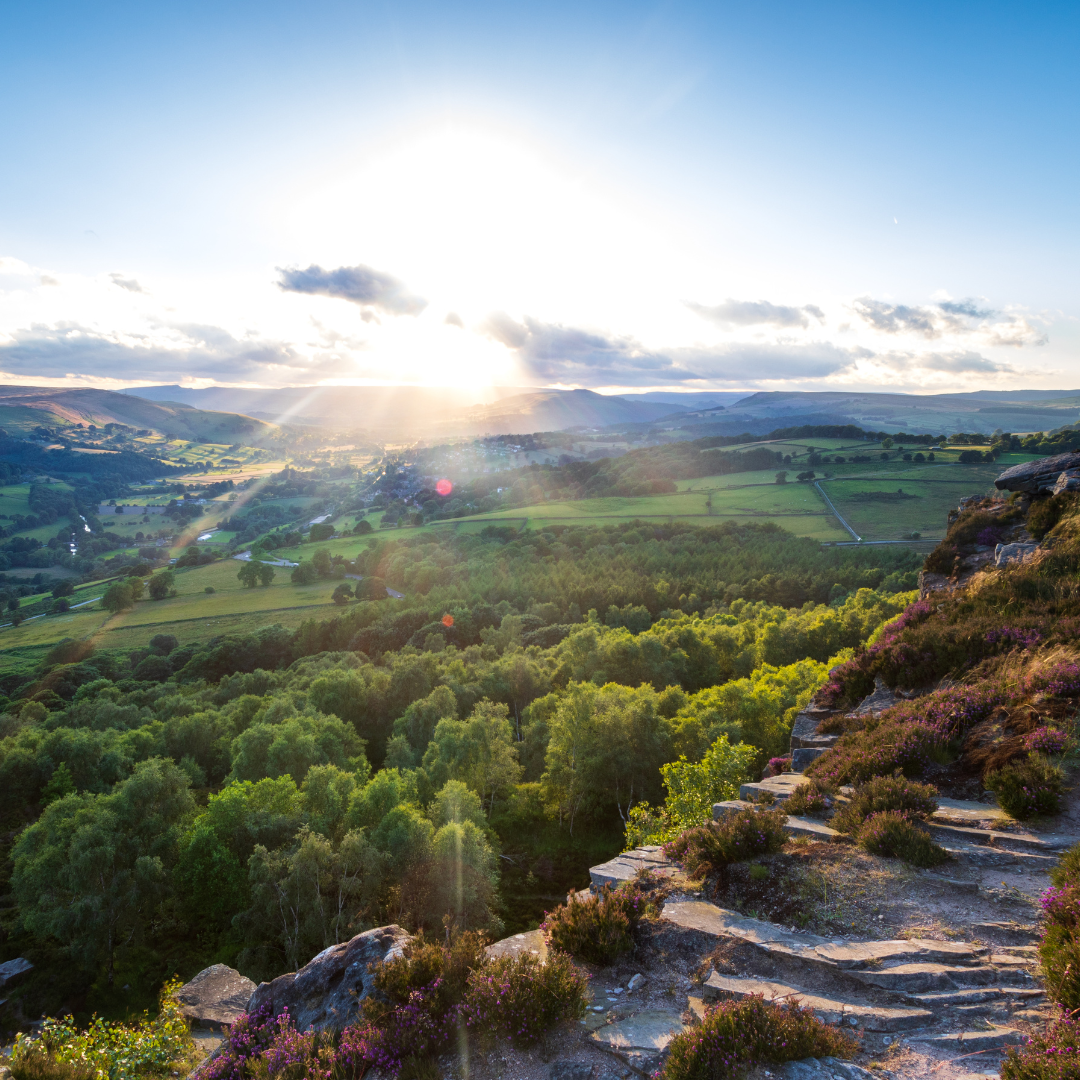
x=781 y=476
x=60 y=606
x=371 y=588
x=249 y=574
x=342 y=594
x=323 y=531
x=322 y=562
x=480 y=751
x=63 y=588
x=305 y=574
x=807 y=475
x=117 y=597
x=92 y=869
x=160 y=585
x=265 y=572
x=363 y=528
x=135 y=584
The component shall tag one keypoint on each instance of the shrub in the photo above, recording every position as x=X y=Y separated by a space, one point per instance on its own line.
x=597 y=928
x=908 y=797
x=107 y=1050
x=249 y=1035
x=1054 y=1055
x=861 y=755
x=736 y=1035
x=1046 y=740
x=518 y=998
x=707 y=849
x=892 y=834
x=1059 y=948
x=812 y=797
x=1026 y=788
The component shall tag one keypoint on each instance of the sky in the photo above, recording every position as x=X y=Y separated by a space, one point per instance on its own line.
x=623 y=197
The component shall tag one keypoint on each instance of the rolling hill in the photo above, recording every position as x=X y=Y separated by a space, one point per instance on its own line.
x=22 y=408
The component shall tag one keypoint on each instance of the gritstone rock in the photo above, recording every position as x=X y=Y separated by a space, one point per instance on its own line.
x=216 y=996
x=1004 y=554
x=1036 y=477
x=326 y=992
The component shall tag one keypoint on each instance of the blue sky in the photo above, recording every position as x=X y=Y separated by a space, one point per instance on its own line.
x=621 y=196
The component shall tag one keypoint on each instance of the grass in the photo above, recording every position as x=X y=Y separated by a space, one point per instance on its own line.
x=191 y=615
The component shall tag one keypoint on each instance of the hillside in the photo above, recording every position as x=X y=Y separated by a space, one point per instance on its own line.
x=22 y=408
x=983 y=411
x=419 y=411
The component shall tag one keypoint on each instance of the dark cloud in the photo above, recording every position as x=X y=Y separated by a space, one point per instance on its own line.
x=757 y=313
x=358 y=284
x=192 y=351
x=557 y=353
x=969 y=307
x=126 y=283
x=951 y=317
x=898 y=319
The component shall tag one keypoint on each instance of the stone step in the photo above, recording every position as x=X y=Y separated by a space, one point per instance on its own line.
x=1010 y=841
x=779 y=787
x=625 y=867
x=828 y=1009
x=974 y=995
x=985 y=855
x=639 y=1040
x=804 y=730
x=973 y=1042
x=860 y=961
x=921 y=978
x=796 y=826
x=804 y=755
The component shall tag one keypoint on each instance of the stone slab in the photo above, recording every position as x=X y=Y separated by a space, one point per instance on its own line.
x=215 y=997
x=13 y=970
x=532 y=943
x=1036 y=476
x=640 y=1040
x=1010 y=841
x=963 y=812
x=972 y=1042
x=951 y=883
x=719 y=922
x=829 y=1010
x=819 y=1069
x=780 y=787
x=625 y=867
x=796 y=826
x=922 y=978
x=804 y=755
x=859 y=954
x=804 y=731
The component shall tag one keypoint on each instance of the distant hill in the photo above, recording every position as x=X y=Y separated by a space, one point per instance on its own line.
x=22 y=408
x=983 y=411
x=421 y=410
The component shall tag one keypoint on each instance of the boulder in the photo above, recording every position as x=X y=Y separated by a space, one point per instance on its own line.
x=327 y=991
x=1006 y=554
x=215 y=997
x=13 y=970
x=1036 y=477
x=1068 y=481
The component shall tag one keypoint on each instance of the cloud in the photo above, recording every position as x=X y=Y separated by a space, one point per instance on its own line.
x=757 y=313
x=126 y=283
x=453 y=319
x=951 y=318
x=173 y=353
x=742 y=364
x=358 y=284
x=567 y=354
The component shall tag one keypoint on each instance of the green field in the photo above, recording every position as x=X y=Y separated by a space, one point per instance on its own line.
x=192 y=615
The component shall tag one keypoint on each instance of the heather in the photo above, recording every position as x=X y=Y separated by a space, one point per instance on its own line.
x=598 y=927
x=893 y=834
x=426 y=1002
x=1028 y=787
x=707 y=849
x=734 y=1036
x=1059 y=948
x=885 y=793
x=1051 y=1055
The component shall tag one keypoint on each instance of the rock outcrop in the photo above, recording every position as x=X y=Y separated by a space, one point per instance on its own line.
x=215 y=997
x=327 y=991
x=1006 y=554
x=1042 y=476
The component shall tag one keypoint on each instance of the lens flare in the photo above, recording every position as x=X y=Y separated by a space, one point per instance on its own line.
x=448 y=620
x=444 y=487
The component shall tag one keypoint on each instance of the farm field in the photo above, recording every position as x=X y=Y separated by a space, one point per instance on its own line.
x=192 y=615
